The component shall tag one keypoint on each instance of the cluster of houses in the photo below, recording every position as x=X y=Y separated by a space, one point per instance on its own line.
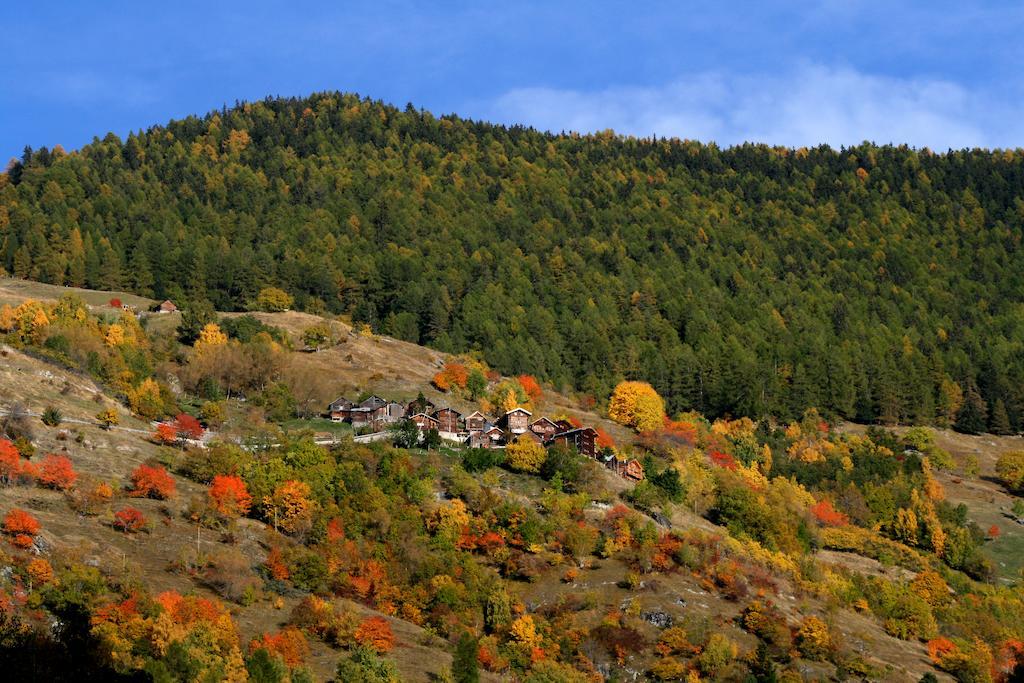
x=477 y=430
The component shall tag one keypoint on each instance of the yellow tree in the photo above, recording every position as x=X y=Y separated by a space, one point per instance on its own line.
x=525 y=455
x=637 y=405
x=211 y=336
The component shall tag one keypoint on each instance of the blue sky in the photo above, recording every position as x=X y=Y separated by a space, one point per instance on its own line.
x=931 y=74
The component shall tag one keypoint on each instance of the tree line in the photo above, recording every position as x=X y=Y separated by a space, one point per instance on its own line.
x=875 y=282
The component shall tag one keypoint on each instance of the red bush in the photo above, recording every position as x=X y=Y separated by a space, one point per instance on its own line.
x=229 y=495
x=115 y=303
x=723 y=460
x=152 y=481
x=827 y=515
x=289 y=644
x=13 y=468
x=165 y=434
x=56 y=472
x=604 y=439
x=188 y=427
x=376 y=633
x=18 y=522
x=129 y=520
x=531 y=387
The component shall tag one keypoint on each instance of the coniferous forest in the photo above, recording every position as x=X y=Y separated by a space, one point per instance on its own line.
x=877 y=283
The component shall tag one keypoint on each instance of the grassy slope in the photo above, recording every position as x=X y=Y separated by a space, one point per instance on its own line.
x=394 y=369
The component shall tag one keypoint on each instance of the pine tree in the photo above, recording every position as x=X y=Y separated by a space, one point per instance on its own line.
x=999 y=423
x=971 y=418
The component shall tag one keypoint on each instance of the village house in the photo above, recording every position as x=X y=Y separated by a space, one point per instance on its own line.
x=515 y=421
x=425 y=422
x=544 y=427
x=340 y=409
x=167 y=307
x=476 y=421
x=583 y=439
x=448 y=420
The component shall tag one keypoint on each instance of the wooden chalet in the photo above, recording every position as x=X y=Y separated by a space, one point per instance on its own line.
x=416 y=406
x=564 y=425
x=166 y=307
x=425 y=422
x=340 y=409
x=583 y=439
x=632 y=470
x=515 y=421
x=476 y=421
x=544 y=427
x=448 y=419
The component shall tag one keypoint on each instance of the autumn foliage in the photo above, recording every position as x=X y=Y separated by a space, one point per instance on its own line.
x=56 y=472
x=454 y=375
x=376 y=632
x=637 y=405
x=152 y=481
x=13 y=468
x=531 y=387
x=828 y=515
x=289 y=644
x=129 y=520
x=21 y=526
x=229 y=495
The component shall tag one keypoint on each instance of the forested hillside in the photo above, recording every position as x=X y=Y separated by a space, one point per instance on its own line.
x=873 y=282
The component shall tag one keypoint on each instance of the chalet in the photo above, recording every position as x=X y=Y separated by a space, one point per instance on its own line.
x=495 y=437
x=340 y=409
x=417 y=406
x=564 y=425
x=632 y=470
x=476 y=421
x=166 y=307
x=448 y=419
x=545 y=428
x=583 y=439
x=515 y=421
x=425 y=422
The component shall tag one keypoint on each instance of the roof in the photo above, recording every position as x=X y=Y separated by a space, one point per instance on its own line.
x=340 y=399
x=544 y=419
x=573 y=431
x=518 y=410
x=474 y=413
x=429 y=417
x=452 y=410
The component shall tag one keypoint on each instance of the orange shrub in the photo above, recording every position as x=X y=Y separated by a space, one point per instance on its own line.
x=129 y=520
x=828 y=515
x=229 y=495
x=289 y=644
x=376 y=633
x=22 y=526
x=56 y=472
x=604 y=439
x=152 y=481
x=453 y=375
x=531 y=387
x=13 y=468
x=275 y=564
x=165 y=434
x=40 y=571
x=938 y=648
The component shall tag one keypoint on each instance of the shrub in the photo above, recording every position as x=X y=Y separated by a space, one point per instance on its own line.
x=289 y=644
x=56 y=472
x=52 y=417
x=129 y=520
x=229 y=495
x=375 y=632
x=20 y=523
x=152 y=481
x=813 y=639
x=1010 y=469
x=717 y=654
x=525 y=455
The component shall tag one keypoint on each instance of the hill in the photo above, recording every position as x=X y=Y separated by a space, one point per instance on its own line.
x=872 y=282
x=797 y=551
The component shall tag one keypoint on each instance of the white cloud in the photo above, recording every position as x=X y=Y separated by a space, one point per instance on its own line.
x=807 y=106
